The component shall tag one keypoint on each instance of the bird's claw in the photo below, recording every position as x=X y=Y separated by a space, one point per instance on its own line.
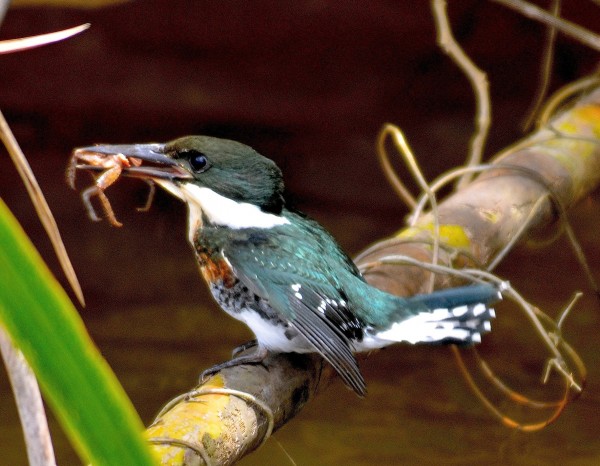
x=257 y=357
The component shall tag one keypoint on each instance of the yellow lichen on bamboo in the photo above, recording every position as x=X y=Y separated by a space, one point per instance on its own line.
x=589 y=115
x=450 y=235
x=577 y=132
x=580 y=122
x=198 y=422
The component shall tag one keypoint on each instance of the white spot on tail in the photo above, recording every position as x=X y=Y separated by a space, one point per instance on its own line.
x=424 y=327
x=479 y=309
x=459 y=311
x=462 y=324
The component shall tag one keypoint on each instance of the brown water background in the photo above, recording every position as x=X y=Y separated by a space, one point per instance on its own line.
x=307 y=84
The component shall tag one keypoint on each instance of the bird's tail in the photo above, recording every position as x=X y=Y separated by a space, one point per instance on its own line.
x=455 y=315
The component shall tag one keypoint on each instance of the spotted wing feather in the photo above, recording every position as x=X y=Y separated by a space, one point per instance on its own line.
x=326 y=337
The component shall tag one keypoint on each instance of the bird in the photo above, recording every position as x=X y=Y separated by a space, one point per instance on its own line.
x=282 y=273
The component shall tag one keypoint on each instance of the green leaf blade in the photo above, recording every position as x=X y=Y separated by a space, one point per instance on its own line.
x=76 y=381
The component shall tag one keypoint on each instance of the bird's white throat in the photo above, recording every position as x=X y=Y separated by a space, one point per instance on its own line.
x=218 y=209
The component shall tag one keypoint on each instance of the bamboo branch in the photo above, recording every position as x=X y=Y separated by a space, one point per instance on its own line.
x=476 y=223
x=211 y=427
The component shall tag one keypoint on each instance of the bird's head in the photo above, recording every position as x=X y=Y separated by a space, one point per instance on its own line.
x=230 y=169
x=216 y=175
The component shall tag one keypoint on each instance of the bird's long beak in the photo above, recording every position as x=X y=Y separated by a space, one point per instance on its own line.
x=147 y=161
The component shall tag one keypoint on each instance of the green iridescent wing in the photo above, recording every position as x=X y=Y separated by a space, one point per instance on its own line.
x=289 y=272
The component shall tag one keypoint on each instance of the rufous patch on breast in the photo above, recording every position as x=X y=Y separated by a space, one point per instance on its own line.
x=215 y=270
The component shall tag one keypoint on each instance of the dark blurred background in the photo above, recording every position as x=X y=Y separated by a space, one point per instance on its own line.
x=309 y=84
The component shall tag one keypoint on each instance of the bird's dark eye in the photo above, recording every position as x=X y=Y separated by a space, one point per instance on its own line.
x=198 y=161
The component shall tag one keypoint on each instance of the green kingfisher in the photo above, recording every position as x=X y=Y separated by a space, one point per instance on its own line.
x=282 y=273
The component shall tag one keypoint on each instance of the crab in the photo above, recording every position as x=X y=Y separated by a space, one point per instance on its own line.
x=111 y=167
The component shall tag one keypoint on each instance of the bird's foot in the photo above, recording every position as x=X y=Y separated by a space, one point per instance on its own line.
x=243 y=347
x=257 y=357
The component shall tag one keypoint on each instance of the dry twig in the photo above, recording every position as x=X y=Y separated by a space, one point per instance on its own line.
x=478 y=81
x=20 y=161
x=29 y=404
x=568 y=28
x=545 y=70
